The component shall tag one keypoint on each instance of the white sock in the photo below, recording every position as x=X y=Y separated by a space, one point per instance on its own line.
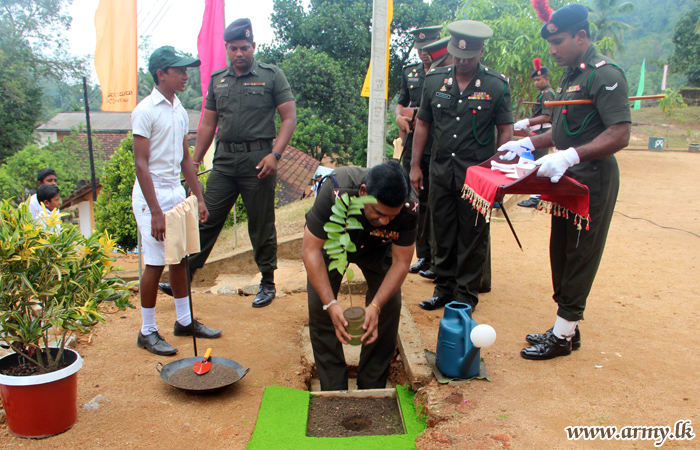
x=148 y=321
x=564 y=328
x=182 y=308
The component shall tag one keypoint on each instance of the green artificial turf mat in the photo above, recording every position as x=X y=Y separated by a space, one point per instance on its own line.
x=282 y=425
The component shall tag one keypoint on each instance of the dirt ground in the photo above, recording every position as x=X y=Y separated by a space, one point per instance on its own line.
x=638 y=364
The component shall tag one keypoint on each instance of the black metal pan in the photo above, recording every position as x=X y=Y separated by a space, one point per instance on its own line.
x=167 y=370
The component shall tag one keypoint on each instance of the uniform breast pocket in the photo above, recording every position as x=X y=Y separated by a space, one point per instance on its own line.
x=254 y=97
x=438 y=105
x=481 y=108
x=222 y=100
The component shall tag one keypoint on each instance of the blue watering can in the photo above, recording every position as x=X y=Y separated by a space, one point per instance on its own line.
x=459 y=341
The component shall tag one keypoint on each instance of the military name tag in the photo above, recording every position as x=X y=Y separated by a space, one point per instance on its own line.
x=222 y=86
x=413 y=80
x=443 y=95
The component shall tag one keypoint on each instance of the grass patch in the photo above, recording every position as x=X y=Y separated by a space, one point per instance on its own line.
x=283 y=416
x=679 y=131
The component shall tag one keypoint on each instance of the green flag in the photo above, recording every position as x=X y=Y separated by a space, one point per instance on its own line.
x=640 y=89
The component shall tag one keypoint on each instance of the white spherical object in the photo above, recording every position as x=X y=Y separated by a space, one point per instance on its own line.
x=483 y=336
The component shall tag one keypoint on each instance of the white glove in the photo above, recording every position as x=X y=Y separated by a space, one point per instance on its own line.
x=520 y=124
x=555 y=164
x=515 y=148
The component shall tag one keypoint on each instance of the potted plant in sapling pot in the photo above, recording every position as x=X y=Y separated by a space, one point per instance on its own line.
x=52 y=282
x=337 y=248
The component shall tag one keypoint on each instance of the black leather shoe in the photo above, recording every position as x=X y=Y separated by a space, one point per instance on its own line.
x=433 y=303
x=266 y=293
x=538 y=338
x=529 y=203
x=422 y=264
x=429 y=274
x=165 y=289
x=202 y=331
x=155 y=343
x=550 y=348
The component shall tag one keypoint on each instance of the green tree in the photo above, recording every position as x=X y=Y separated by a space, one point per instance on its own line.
x=602 y=15
x=68 y=157
x=32 y=48
x=686 y=55
x=113 y=211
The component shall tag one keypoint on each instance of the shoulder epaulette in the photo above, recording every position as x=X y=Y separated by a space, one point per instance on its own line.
x=412 y=64
x=220 y=71
x=496 y=74
x=267 y=66
x=438 y=70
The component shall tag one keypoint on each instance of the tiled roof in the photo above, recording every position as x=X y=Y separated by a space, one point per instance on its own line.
x=294 y=173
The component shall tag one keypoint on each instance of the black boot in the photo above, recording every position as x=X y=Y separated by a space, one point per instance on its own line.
x=550 y=348
x=538 y=338
x=422 y=264
x=266 y=291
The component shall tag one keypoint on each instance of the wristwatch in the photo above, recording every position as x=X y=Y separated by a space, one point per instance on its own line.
x=277 y=155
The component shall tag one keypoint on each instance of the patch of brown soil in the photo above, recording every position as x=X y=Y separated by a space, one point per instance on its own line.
x=343 y=417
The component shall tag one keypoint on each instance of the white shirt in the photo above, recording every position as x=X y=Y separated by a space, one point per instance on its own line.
x=165 y=125
x=35 y=207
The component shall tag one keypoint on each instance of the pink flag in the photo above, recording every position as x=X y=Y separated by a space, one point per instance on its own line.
x=210 y=45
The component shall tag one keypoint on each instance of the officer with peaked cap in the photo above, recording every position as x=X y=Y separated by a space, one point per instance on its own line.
x=241 y=101
x=412 y=79
x=540 y=118
x=465 y=103
x=586 y=138
x=438 y=53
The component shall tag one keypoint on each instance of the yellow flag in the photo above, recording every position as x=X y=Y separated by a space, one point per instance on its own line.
x=365 y=85
x=115 y=54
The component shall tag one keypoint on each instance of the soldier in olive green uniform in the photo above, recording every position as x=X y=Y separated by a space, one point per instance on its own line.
x=465 y=103
x=587 y=137
x=540 y=118
x=241 y=101
x=412 y=79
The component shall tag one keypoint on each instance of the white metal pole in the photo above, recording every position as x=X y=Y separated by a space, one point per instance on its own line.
x=377 y=103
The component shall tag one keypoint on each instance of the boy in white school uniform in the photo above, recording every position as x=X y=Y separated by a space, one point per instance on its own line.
x=160 y=124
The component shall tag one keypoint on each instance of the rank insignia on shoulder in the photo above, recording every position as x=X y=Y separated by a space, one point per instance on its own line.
x=611 y=88
x=601 y=64
x=262 y=83
x=384 y=234
x=574 y=88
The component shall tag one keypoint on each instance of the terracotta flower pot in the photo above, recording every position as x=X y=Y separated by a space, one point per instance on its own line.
x=355 y=317
x=40 y=406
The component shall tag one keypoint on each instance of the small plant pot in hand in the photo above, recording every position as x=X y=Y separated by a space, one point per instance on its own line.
x=355 y=317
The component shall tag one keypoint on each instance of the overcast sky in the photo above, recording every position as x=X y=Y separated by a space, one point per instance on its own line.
x=168 y=22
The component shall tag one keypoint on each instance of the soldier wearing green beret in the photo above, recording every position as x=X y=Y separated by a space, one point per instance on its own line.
x=241 y=101
x=586 y=136
x=412 y=80
x=466 y=103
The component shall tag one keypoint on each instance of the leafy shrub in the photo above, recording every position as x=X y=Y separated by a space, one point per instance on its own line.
x=113 y=212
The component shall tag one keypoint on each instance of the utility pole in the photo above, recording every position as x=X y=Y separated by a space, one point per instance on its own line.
x=376 y=128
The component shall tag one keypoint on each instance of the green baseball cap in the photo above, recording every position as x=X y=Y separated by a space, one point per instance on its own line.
x=467 y=38
x=426 y=35
x=166 y=57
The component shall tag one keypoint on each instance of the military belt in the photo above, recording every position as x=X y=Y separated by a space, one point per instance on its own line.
x=250 y=146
